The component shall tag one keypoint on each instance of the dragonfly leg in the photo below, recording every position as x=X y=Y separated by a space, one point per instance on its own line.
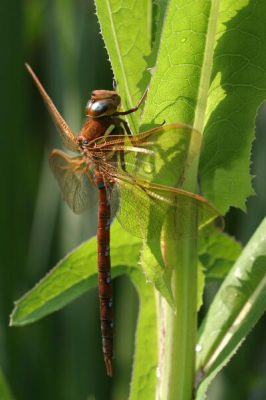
x=122 y=160
x=199 y=184
x=181 y=178
x=131 y=110
x=127 y=128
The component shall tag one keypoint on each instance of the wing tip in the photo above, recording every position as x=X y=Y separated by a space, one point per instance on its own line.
x=30 y=70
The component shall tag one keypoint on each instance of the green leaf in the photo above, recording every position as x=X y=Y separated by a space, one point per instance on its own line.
x=5 y=393
x=236 y=308
x=200 y=285
x=159 y=9
x=178 y=91
x=216 y=261
x=237 y=89
x=183 y=89
x=155 y=271
x=154 y=268
x=126 y=28
x=144 y=380
x=214 y=264
x=74 y=275
x=223 y=100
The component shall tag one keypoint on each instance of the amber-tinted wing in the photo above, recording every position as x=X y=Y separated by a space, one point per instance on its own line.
x=67 y=136
x=146 y=207
x=148 y=210
x=73 y=177
x=160 y=155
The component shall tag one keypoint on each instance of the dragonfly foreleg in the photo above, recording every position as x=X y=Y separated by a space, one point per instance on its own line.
x=133 y=109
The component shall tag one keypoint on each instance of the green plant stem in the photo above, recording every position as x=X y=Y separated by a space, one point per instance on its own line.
x=180 y=327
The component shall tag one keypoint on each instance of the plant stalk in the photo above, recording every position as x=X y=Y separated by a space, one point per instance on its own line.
x=180 y=327
x=178 y=363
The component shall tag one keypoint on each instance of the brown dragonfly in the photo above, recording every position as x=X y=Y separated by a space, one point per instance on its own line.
x=126 y=174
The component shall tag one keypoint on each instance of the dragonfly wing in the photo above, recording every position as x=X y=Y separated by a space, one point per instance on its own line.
x=173 y=148
x=73 y=177
x=187 y=215
x=67 y=136
x=160 y=155
x=154 y=212
x=132 y=209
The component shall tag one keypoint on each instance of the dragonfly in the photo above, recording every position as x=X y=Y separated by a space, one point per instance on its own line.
x=126 y=175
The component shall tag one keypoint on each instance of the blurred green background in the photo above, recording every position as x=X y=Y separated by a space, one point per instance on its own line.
x=60 y=357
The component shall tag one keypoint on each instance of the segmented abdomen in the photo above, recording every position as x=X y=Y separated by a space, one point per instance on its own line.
x=104 y=274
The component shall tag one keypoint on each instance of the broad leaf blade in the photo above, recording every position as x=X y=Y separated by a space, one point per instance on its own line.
x=126 y=29
x=179 y=88
x=222 y=100
x=159 y=9
x=216 y=261
x=238 y=87
x=180 y=83
x=236 y=308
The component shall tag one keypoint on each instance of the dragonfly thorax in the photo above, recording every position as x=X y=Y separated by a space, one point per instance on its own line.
x=95 y=128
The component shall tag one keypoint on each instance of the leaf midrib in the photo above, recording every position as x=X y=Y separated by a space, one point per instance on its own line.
x=119 y=54
x=202 y=97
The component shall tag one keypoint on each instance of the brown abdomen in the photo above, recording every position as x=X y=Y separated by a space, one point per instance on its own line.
x=104 y=274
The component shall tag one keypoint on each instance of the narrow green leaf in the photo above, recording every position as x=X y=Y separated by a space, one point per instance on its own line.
x=126 y=29
x=200 y=285
x=5 y=393
x=236 y=308
x=144 y=380
x=74 y=275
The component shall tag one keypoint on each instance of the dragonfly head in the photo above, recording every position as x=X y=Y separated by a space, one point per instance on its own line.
x=82 y=142
x=102 y=103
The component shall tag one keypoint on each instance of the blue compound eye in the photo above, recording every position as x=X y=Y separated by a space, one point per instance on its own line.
x=85 y=141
